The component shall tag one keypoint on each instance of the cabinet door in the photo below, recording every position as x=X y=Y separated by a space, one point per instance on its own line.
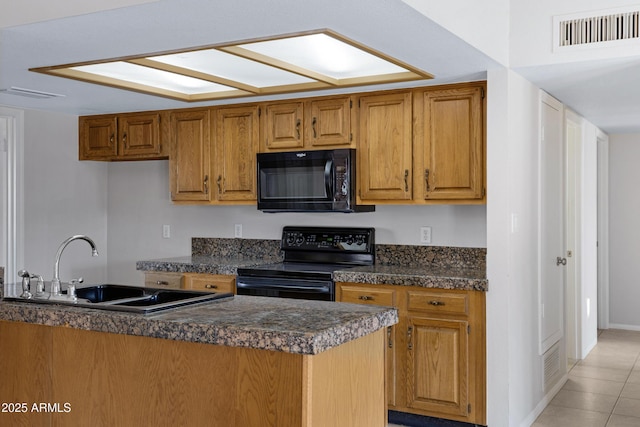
x=283 y=126
x=139 y=135
x=453 y=143
x=377 y=295
x=438 y=366
x=210 y=282
x=385 y=147
x=98 y=138
x=236 y=144
x=328 y=122
x=190 y=159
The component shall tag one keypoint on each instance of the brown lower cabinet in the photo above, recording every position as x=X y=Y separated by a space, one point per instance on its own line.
x=86 y=378
x=436 y=358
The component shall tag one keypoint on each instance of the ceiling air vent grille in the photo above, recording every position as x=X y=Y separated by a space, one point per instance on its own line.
x=605 y=26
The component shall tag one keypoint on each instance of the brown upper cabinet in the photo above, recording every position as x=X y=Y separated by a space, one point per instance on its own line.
x=237 y=132
x=423 y=146
x=131 y=136
x=189 y=163
x=385 y=166
x=314 y=124
x=453 y=143
x=213 y=156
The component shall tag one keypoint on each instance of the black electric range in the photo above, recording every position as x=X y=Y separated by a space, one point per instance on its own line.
x=311 y=255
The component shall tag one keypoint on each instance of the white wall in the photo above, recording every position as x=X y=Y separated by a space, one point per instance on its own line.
x=484 y=25
x=514 y=368
x=139 y=204
x=624 y=233
x=62 y=197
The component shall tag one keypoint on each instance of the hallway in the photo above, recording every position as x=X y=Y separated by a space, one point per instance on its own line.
x=603 y=390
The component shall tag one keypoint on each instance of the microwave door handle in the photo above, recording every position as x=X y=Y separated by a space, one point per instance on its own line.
x=328 y=182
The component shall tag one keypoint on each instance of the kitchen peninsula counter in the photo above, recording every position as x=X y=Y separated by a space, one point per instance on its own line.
x=247 y=361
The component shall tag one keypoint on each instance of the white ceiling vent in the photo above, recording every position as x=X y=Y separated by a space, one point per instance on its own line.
x=592 y=29
x=29 y=93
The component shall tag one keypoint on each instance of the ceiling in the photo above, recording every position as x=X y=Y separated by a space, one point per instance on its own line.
x=39 y=35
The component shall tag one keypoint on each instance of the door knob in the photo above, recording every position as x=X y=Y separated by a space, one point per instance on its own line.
x=561 y=261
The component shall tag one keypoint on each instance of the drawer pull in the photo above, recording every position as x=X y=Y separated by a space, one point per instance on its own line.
x=366 y=298
x=389 y=337
x=207 y=286
x=162 y=283
x=436 y=303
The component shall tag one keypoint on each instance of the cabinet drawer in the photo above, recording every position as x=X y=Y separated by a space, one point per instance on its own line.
x=438 y=302
x=368 y=295
x=210 y=282
x=163 y=280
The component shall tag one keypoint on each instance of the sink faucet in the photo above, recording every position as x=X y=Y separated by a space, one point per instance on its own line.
x=55 y=282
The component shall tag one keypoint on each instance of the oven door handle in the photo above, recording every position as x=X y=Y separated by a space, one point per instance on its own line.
x=276 y=285
x=328 y=181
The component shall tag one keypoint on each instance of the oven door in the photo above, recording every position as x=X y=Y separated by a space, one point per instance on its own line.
x=319 y=290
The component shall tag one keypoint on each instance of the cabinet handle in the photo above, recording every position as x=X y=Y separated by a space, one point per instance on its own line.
x=313 y=127
x=124 y=139
x=366 y=298
x=298 y=128
x=208 y=286
x=435 y=302
x=426 y=179
x=410 y=338
x=406 y=180
x=219 y=181
x=111 y=138
x=389 y=340
x=162 y=283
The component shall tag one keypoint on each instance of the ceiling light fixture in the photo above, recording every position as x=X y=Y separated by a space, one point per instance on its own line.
x=289 y=63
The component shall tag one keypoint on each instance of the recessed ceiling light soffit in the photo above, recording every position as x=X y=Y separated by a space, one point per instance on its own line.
x=290 y=63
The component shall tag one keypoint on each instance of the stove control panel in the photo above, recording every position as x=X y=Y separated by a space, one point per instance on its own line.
x=328 y=239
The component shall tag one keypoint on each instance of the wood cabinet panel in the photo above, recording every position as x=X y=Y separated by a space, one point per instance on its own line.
x=114 y=137
x=236 y=144
x=163 y=280
x=385 y=147
x=329 y=122
x=436 y=355
x=454 y=143
x=98 y=138
x=283 y=125
x=189 y=163
x=210 y=282
x=139 y=135
x=438 y=365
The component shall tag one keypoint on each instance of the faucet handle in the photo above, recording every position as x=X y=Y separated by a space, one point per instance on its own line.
x=71 y=288
x=26 y=284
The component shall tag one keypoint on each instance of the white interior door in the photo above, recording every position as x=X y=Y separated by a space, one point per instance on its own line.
x=551 y=245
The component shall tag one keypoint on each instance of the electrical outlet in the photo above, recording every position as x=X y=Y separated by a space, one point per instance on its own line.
x=425 y=234
x=166 y=231
x=237 y=230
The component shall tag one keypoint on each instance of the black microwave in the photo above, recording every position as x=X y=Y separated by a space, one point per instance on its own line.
x=308 y=181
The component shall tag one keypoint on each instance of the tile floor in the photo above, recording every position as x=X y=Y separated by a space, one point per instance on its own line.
x=603 y=390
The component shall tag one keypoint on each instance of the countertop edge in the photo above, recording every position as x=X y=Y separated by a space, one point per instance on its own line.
x=258 y=337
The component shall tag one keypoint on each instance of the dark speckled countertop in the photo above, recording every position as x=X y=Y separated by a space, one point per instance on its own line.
x=426 y=277
x=293 y=326
x=200 y=264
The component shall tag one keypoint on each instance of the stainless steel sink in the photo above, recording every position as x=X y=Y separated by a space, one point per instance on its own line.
x=131 y=298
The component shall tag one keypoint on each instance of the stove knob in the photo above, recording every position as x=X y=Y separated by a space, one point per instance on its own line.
x=299 y=240
x=290 y=239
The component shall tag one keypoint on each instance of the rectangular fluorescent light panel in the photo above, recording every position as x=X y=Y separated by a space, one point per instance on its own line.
x=293 y=63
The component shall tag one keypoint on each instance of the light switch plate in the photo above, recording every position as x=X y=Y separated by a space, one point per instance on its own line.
x=166 y=231
x=425 y=234
x=237 y=230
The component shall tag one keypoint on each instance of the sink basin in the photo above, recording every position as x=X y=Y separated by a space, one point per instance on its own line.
x=133 y=299
x=102 y=293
